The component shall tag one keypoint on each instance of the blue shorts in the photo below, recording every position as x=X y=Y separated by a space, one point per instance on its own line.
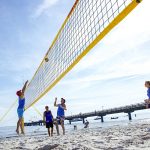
x=20 y=113
x=60 y=119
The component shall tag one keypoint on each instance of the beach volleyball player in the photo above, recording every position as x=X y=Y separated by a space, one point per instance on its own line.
x=147 y=101
x=61 y=113
x=20 y=109
x=48 y=120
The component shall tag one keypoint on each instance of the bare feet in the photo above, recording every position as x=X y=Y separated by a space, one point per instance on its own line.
x=23 y=133
x=17 y=132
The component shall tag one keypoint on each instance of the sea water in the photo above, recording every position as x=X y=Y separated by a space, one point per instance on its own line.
x=123 y=120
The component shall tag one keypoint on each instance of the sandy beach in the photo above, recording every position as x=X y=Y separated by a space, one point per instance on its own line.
x=133 y=136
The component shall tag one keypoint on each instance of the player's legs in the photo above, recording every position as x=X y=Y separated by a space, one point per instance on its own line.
x=20 y=121
x=62 y=125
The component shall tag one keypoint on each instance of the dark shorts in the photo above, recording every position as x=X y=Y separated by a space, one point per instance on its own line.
x=49 y=124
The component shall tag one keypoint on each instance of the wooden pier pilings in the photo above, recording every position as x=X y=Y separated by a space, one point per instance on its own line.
x=34 y=123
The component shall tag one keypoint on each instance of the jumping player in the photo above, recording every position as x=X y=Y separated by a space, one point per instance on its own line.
x=147 y=101
x=61 y=112
x=20 y=109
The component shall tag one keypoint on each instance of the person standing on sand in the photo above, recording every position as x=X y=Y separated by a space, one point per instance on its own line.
x=48 y=119
x=61 y=113
x=147 y=101
x=20 y=109
x=86 y=124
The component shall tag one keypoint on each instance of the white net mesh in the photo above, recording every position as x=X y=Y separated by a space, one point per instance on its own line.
x=85 y=22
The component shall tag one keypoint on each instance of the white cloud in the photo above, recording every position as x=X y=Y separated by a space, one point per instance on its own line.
x=45 y=5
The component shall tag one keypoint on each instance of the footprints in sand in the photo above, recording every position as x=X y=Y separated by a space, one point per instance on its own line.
x=49 y=147
x=132 y=136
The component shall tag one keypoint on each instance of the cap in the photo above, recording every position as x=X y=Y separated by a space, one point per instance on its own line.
x=18 y=93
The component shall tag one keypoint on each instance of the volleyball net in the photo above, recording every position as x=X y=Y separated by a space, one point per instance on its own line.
x=86 y=24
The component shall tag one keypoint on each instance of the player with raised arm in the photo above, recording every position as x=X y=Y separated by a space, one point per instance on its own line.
x=20 y=109
x=61 y=112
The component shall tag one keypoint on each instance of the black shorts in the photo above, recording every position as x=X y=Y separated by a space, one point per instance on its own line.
x=49 y=124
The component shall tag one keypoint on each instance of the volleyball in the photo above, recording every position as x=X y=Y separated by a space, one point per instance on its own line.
x=46 y=59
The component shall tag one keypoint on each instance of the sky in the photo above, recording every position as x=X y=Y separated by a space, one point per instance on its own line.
x=111 y=75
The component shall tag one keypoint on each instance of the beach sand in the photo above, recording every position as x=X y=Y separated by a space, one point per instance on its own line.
x=133 y=136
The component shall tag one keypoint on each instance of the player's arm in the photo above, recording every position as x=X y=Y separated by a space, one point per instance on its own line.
x=24 y=87
x=55 y=103
x=44 y=117
x=147 y=101
x=65 y=108
x=52 y=116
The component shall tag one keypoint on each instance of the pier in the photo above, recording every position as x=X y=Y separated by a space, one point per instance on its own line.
x=82 y=116
x=34 y=123
x=124 y=109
